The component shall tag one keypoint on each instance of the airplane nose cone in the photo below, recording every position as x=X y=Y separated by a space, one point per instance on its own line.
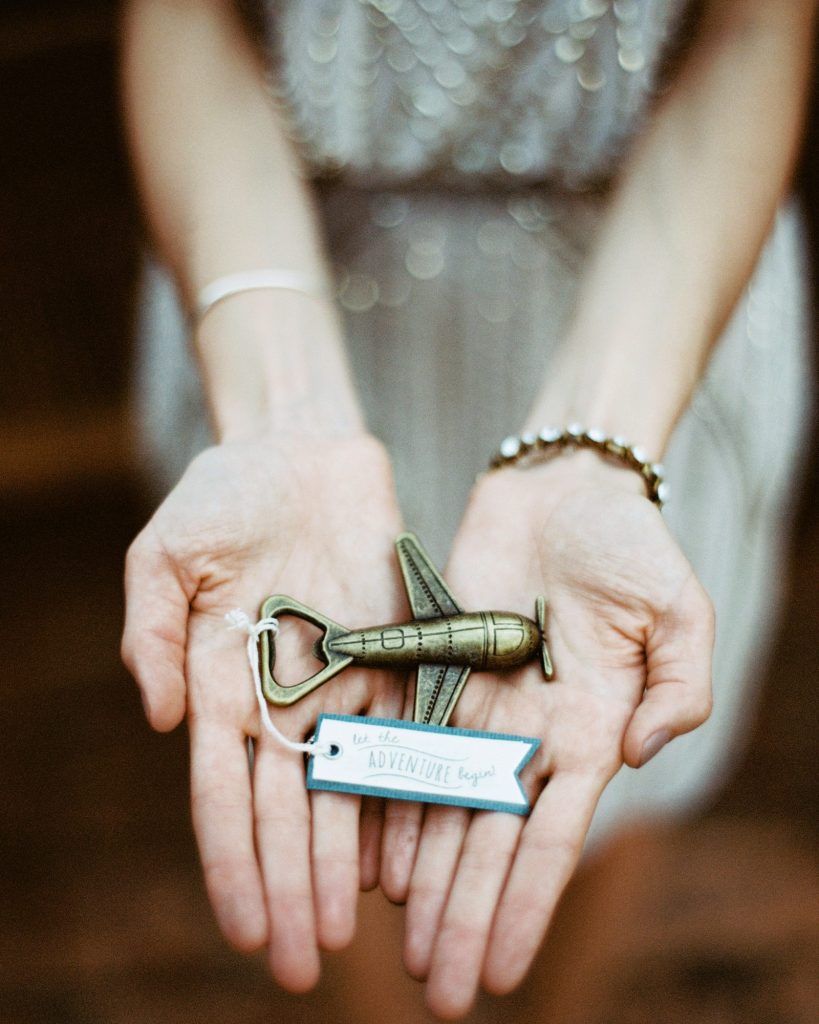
x=515 y=639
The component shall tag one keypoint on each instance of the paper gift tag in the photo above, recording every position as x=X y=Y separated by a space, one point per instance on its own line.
x=430 y=763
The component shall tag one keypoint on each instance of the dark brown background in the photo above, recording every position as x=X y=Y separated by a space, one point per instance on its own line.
x=103 y=915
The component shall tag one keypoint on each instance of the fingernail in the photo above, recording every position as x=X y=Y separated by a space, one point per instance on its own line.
x=653 y=745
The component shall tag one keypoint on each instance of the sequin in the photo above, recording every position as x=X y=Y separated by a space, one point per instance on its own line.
x=386 y=7
x=516 y=158
x=583 y=30
x=408 y=19
x=568 y=49
x=424 y=264
x=626 y=10
x=495 y=237
x=472 y=158
x=426 y=130
x=631 y=59
x=322 y=49
x=387 y=211
x=429 y=101
x=529 y=212
x=428 y=235
x=629 y=36
x=401 y=58
x=525 y=15
x=496 y=88
x=591 y=78
x=495 y=309
x=359 y=293
x=555 y=21
x=363 y=77
x=474 y=15
x=592 y=8
x=511 y=34
x=444 y=21
x=431 y=52
x=371 y=47
x=500 y=10
x=450 y=74
x=376 y=18
x=466 y=94
x=327 y=25
x=461 y=41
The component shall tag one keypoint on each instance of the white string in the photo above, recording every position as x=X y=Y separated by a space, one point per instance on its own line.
x=237 y=619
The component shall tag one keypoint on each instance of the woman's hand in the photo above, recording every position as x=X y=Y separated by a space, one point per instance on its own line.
x=315 y=519
x=630 y=632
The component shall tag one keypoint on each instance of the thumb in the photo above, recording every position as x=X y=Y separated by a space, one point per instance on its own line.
x=677 y=698
x=155 y=632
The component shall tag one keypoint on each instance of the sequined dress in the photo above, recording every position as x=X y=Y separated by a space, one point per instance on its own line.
x=464 y=150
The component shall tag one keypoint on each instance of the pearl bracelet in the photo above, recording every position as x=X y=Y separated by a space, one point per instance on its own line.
x=254 y=280
x=550 y=440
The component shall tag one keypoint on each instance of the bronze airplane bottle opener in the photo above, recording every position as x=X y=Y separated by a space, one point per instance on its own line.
x=443 y=642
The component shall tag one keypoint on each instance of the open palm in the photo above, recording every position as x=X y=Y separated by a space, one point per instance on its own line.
x=317 y=521
x=625 y=615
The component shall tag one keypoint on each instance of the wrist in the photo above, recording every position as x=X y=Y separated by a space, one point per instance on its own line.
x=623 y=390
x=625 y=416
x=568 y=471
x=549 y=443
x=311 y=460
x=274 y=361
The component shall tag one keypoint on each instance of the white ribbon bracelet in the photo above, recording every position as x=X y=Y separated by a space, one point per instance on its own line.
x=256 y=280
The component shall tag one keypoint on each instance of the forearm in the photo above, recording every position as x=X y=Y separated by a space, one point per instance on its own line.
x=685 y=225
x=222 y=194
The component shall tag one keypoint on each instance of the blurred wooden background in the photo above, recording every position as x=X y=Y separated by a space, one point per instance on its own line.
x=103 y=916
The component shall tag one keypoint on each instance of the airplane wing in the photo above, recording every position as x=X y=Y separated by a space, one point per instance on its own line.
x=429 y=596
x=437 y=689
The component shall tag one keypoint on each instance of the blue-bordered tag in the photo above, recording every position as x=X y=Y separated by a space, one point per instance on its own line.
x=430 y=763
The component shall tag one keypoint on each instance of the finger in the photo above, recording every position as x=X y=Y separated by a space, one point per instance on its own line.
x=547 y=854
x=369 y=842
x=154 y=637
x=678 y=681
x=282 y=815
x=438 y=851
x=335 y=866
x=460 y=946
x=387 y=704
x=399 y=843
x=400 y=836
x=223 y=821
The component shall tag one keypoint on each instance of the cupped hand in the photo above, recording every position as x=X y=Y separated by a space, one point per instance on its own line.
x=317 y=520
x=630 y=632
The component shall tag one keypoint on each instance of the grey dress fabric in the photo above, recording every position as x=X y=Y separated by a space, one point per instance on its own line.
x=470 y=144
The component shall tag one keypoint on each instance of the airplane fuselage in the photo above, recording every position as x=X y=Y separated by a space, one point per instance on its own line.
x=481 y=640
